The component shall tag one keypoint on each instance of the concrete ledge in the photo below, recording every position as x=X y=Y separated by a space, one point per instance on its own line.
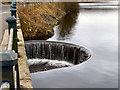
x=25 y=79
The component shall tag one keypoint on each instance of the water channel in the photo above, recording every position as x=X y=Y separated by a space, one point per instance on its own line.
x=96 y=28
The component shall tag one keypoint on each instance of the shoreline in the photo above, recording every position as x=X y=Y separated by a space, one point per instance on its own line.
x=39 y=24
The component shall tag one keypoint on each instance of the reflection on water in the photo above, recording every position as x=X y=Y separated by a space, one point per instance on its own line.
x=64 y=31
x=96 y=29
x=67 y=22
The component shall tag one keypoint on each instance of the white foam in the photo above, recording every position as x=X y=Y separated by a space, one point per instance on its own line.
x=48 y=62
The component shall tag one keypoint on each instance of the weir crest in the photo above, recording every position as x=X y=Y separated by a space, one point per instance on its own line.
x=51 y=50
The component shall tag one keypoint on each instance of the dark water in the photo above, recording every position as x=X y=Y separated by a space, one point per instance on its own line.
x=95 y=27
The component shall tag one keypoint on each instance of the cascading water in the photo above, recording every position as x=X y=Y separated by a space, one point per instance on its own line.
x=42 y=50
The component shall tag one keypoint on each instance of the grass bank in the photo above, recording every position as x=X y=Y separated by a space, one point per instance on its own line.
x=37 y=21
x=6 y=3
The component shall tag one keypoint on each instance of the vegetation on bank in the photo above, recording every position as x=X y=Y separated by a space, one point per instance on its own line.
x=37 y=21
x=6 y=3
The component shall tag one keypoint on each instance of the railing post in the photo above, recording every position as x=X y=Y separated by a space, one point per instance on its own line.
x=12 y=24
x=9 y=60
x=13 y=7
x=13 y=12
x=13 y=4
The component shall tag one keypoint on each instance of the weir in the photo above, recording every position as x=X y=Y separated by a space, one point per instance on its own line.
x=60 y=51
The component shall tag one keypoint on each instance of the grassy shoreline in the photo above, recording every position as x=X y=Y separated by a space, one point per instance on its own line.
x=6 y=3
x=37 y=21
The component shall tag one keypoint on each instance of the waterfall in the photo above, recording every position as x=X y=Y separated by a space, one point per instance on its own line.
x=56 y=51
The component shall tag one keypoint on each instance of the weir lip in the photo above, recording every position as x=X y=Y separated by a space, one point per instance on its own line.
x=53 y=50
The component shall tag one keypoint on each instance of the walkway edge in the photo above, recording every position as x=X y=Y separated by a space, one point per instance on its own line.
x=24 y=73
x=4 y=43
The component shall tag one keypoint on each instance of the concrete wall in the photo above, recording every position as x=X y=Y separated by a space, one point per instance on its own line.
x=25 y=79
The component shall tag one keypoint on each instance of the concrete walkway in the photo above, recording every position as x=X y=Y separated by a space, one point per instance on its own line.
x=24 y=74
x=4 y=13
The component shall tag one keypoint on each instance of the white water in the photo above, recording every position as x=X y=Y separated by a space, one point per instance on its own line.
x=55 y=63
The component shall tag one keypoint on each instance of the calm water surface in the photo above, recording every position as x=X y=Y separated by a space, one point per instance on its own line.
x=97 y=30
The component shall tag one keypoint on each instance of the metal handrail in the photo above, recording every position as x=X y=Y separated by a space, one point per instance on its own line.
x=9 y=57
x=10 y=43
